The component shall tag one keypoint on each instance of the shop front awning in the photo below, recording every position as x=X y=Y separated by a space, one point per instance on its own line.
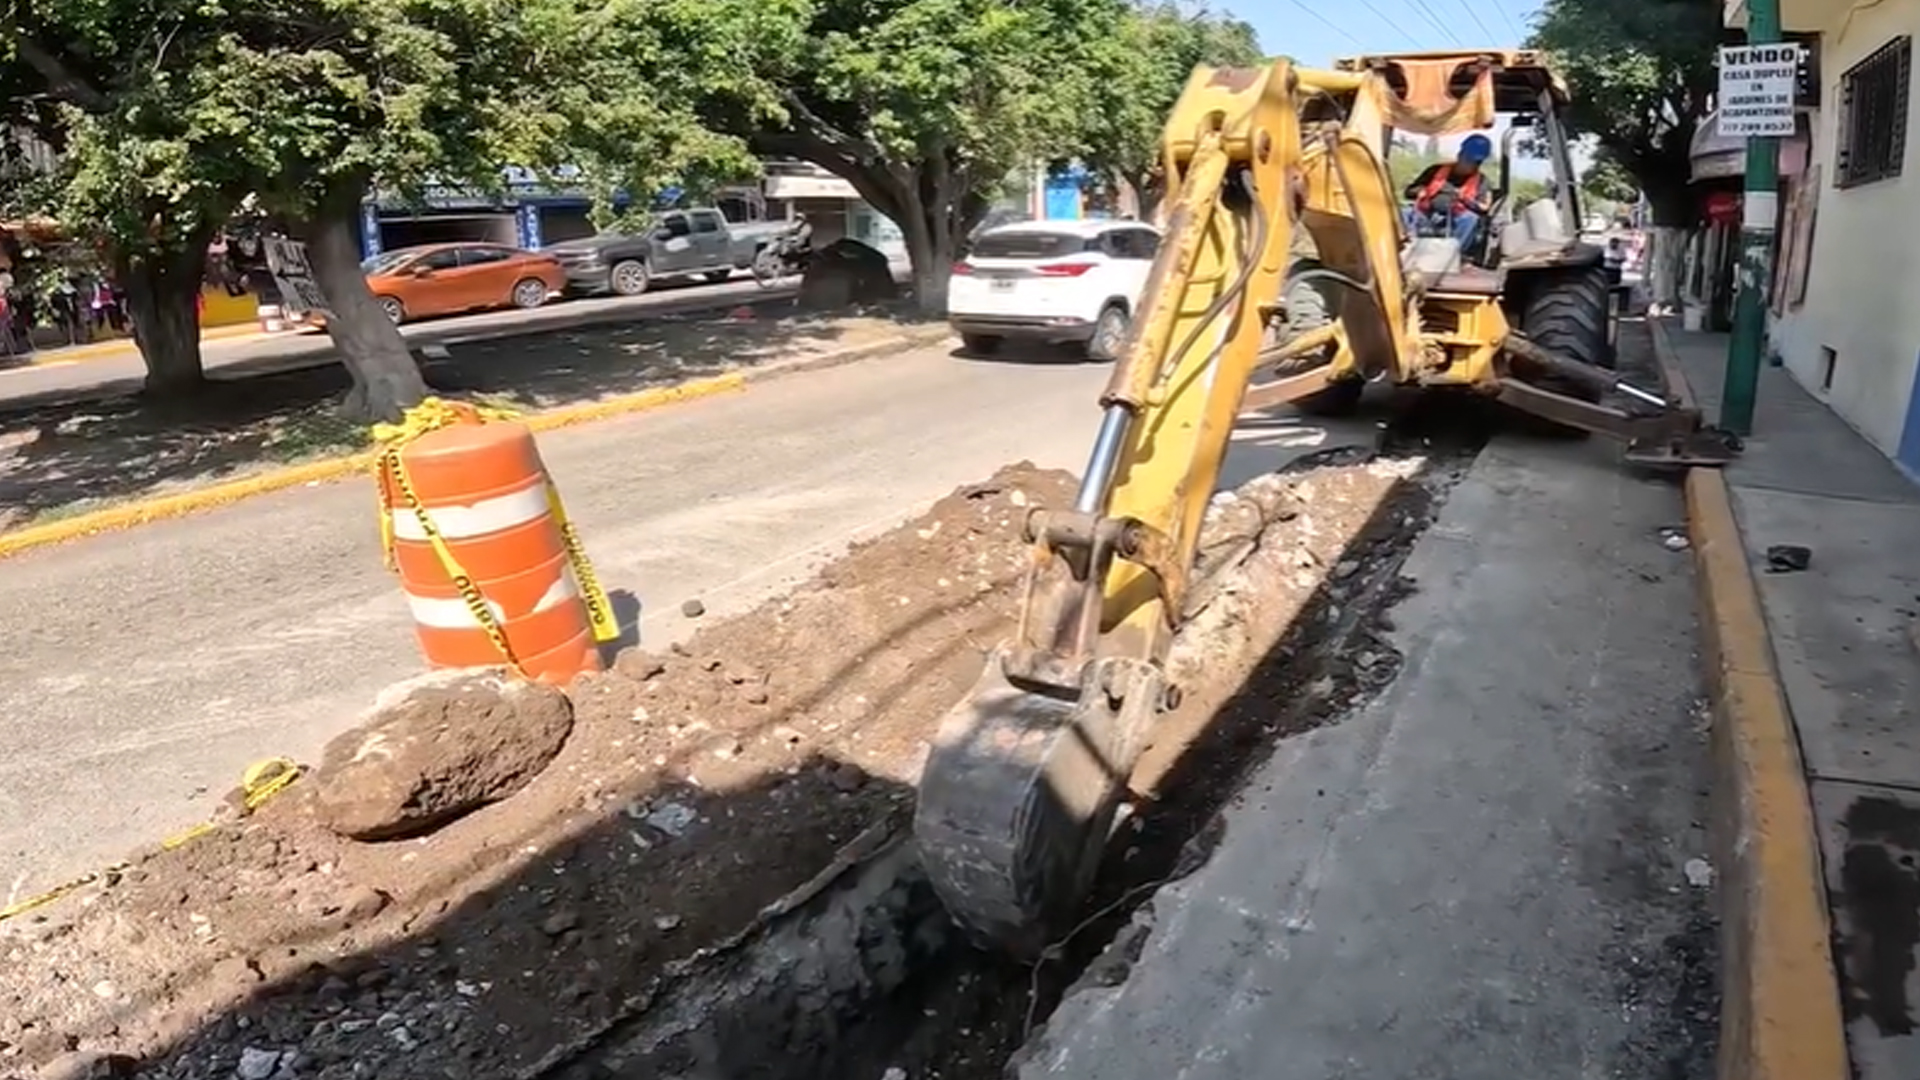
x=1719 y=157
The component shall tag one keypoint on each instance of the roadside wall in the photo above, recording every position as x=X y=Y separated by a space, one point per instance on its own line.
x=1854 y=341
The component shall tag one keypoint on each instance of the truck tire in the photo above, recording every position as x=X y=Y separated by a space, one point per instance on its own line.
x=1567 y=312
x=629 y=277
x=1311 y=306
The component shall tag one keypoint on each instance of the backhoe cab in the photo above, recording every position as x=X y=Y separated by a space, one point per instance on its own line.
x=1263 y=166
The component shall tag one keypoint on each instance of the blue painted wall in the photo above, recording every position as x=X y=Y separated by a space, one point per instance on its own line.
x=1909 y=455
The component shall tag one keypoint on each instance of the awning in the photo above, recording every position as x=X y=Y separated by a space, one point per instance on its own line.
x=1719 y=157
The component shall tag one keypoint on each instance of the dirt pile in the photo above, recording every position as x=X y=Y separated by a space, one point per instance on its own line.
x=698 y=786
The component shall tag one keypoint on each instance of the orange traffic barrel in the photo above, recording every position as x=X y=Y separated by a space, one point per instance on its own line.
x=483 y=560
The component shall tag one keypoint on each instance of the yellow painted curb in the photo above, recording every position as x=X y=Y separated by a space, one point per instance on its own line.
x=161 y=508
x=117 y=347
x=1780 y=1016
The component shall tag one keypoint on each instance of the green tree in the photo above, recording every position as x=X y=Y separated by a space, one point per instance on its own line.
x=1605 y=181
x=302 y=107
x=1407 y=159
x=71 y=78
x=924 y=106
x=1641 y=75
x=1139 y=72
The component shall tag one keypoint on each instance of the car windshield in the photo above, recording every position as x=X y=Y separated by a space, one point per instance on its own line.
x=384 y=262
x=1028 y=244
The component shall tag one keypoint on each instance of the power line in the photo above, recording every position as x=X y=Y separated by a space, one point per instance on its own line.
x=1519 y=35
x=1433 y=19
x=1477 y=21
x=1368 y=4
x=1328 y=23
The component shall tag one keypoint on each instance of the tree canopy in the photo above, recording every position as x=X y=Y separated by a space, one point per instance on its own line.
x=1140 y=70
x=1641 y=75
x=170 y=114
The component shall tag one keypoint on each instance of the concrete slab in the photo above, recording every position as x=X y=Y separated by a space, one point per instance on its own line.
x=1482 y=873
x=1842 y=629
x=1872 y=836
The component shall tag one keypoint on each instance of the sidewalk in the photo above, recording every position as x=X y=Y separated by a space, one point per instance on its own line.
x=1846 y=640
x=125 y=346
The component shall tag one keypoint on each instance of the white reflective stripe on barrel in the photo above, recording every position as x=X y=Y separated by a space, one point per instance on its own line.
x=483 y=518
x=450 y=613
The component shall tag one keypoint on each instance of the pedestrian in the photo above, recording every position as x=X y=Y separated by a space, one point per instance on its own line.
x=1450 y=197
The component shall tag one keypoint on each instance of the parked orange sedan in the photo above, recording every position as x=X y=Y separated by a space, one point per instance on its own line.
x=446 y=279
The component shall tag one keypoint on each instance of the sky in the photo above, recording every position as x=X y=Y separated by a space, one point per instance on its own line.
x=1316 y=31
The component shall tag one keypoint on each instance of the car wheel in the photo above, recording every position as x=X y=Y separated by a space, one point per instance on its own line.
x=396 y=312
x=529 y=293
x=1109 y=335
x=629 y=278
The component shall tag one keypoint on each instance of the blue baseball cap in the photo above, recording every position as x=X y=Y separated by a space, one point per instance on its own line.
x=1476 y=149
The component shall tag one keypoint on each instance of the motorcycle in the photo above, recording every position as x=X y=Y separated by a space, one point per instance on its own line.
x=786 y=256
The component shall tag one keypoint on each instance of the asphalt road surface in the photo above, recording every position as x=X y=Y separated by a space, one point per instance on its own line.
x=55 y=378
x=147 y=669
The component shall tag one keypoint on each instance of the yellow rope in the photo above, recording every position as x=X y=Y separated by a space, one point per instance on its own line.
x=261 y=782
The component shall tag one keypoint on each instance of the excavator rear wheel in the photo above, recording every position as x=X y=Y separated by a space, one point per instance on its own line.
x=1568 y=312
x=1310 y=305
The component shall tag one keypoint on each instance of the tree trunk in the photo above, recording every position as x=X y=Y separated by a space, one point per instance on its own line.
x=1672 y=206
x=163 y=290
x=386 y=381
x=1666 y=256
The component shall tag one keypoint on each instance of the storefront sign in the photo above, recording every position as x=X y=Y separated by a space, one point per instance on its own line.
x=1757 y=85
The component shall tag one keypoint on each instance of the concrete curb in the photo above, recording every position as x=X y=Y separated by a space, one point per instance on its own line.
x=213 y=497
x=1780 y=994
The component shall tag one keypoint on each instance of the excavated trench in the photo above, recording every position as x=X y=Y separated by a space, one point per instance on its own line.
x=859 y=975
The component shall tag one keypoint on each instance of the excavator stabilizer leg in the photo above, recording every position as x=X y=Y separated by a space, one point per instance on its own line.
x=1670 y=436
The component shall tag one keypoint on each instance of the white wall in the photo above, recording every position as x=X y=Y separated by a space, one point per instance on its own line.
x=1861 y=300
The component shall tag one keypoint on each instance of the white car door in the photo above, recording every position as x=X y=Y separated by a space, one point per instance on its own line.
x=1139 y=247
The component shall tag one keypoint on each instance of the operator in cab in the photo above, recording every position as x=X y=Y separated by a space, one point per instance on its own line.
x=1451 y=198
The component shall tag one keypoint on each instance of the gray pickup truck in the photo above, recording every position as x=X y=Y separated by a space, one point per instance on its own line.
x=682 y=244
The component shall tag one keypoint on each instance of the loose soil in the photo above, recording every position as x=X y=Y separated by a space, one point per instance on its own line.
x=699 y=787
x=65 y=459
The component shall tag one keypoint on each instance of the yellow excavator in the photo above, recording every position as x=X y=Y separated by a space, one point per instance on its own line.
x=1024 y=777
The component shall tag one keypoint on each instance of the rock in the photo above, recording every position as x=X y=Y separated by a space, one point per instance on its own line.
x=1676 y=542
x=559 y=923
x=436 y=748
x=639 y=666
x=257 y=1064
x=88 y=1065
x=1788 y=558
x=845 y=273
x=1699 y=873
x=364 y=903
x=671 y=818
x=693 y=609
x=846 y=778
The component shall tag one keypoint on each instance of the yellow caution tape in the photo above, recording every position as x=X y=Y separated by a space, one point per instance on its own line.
x=599 y=609
x=433 y=414
x=261 y=782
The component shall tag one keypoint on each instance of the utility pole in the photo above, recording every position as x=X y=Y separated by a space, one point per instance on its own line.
x=1759 y=210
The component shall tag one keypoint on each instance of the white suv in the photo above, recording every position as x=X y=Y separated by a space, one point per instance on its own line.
x=1052 y=282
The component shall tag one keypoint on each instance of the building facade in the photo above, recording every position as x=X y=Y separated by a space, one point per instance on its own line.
x=1846 y=323
x=531 y=214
